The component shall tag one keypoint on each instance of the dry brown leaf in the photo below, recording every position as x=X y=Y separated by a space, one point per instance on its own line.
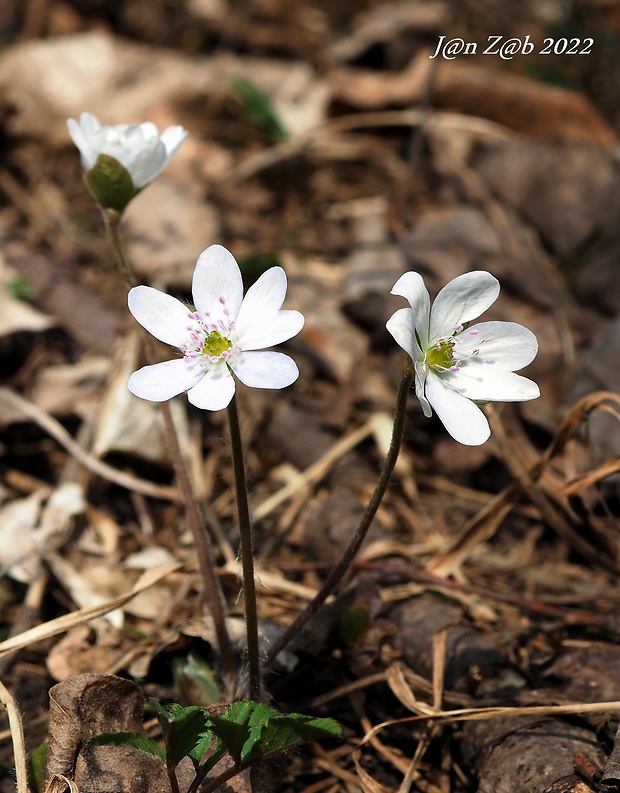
x=29 y=529
x=519 y=103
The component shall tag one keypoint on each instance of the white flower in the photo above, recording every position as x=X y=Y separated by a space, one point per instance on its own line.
x=458 y=365
x=224 y=335
x=139 y=148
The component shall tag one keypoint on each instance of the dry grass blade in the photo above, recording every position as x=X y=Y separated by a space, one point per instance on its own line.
x=60 y=434
x=368 y=784
x=486 y=714
x=484 y=525
x=68 y=621
x=576 y=416
x=17 y=735
x=395 y=676
x=476 y=531
x=584 y=481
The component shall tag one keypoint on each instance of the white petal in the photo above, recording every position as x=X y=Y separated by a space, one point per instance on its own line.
x=172 y=138
x=461 y=300
x=505 y=344
x=88 y=155
x=144 y=158
x=89 y=123
x=162 y=315
x=462 y=418
x=265 y=369
x=215 y=390
x=217 y=278
x=411 y=286
x=260 y=323
x=284 y=325
x=487 y=383
x=162 y=381
x=402 y=327
x=148 y=130
x=421 y=375
x=263 y=299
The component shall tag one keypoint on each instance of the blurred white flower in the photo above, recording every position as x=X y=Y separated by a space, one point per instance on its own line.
x=139 y=148
x=457 y=365
x=224 y=335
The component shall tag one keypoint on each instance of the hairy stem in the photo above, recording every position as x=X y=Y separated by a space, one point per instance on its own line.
x=371 y=510
x=247 y=552
x=212 y=592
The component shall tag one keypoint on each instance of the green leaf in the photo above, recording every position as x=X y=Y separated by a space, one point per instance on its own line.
x=196 y=680
x=232 y=728
x=20 y=287
x=251 y=729
x=163 y=717
x=36 y=768
x=205 y=740
x=283 y=732
x=188 y=732
x=260 y=109
x=131 y=740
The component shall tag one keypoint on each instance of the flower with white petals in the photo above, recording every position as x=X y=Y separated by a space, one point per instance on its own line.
x=224 y=334
x=458 y=365
x=139 y=149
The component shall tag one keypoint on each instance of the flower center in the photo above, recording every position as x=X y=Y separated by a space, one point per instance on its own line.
x=441 y=355
x=208 y=340
x=214 y=344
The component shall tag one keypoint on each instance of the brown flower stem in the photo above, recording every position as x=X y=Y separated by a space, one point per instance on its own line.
x=247 y=552
x=112 y=221
x=212 y=591
x=351 y=550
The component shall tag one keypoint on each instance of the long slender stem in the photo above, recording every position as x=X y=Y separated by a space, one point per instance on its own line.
x=112 y=221
x=212 y=591
x=371 y=510
x=247 y=551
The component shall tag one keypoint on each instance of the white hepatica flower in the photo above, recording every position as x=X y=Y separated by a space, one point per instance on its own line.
x=224 y=335
x=457 y=366
x=138 y=148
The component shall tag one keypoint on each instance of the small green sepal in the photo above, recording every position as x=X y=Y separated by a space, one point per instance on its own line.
x=111 y=184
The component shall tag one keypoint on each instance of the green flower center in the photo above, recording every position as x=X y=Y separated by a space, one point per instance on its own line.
x=215 y=344
x=441 y=355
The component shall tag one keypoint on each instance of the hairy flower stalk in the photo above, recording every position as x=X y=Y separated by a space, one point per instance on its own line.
x=458 y=366
x=219 y=339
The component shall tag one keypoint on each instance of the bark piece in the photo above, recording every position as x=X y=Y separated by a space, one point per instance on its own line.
x=611 y=774
x=473 y=661
x=526 y=755
x=591 y=671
